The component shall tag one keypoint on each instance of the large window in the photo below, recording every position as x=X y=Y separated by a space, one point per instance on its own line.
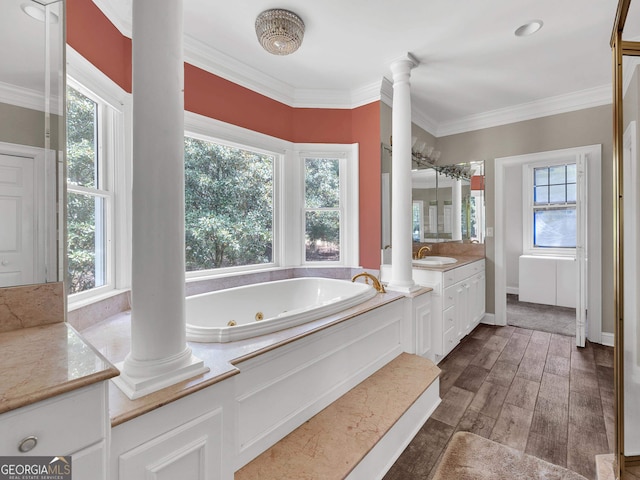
x=322 y=209
x=88 y=195
x=229 y=211
x=553 y=207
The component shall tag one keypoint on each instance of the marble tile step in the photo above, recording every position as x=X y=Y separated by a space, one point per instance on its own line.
x=333 y=442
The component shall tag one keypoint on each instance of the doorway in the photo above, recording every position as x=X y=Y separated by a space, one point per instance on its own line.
x=587 y=266
x=27 y=213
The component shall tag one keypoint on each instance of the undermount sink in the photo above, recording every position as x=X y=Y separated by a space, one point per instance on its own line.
x=435 y=261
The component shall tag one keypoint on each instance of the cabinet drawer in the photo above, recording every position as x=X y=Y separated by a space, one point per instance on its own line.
x=467 y=271
x=449 y=277
x=450 y=340
x=449 y=299
x=62 y=425
x=448 y=319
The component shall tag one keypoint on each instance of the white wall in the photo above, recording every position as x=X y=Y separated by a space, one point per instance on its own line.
x=513 y=216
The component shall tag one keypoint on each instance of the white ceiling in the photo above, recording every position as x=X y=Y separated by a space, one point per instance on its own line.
x=473 y=70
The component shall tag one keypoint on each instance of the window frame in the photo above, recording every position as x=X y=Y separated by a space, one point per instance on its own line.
x=529 y=209
x=347 y=154
x=192 y=131
x=114 y=149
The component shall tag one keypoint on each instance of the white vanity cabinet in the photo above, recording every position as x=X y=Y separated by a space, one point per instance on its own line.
x=458 y=303
x=74 y=423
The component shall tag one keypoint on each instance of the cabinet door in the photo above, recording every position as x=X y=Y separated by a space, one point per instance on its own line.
x=188 y=452
x=90 y=463
x=462 y=309
x=422 y=315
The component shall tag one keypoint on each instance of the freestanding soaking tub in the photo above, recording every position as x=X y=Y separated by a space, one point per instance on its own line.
x=245 y=312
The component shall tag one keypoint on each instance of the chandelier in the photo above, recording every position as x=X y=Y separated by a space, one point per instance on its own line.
x=279 y=31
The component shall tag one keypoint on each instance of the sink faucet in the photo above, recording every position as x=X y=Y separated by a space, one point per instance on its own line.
x=376 y=283
x=421 y=253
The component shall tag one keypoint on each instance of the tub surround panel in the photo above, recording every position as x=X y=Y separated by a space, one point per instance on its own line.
x=112 y=339
x=279 y=391
x=31 y=305
x=45 y=361
x=87 y=315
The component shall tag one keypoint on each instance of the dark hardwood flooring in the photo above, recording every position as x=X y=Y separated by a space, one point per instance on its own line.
x=531 y=390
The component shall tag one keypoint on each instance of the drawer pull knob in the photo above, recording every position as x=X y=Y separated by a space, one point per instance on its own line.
x=27 y=444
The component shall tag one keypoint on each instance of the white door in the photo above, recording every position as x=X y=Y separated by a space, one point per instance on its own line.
x=17 y=221
x=581 y=249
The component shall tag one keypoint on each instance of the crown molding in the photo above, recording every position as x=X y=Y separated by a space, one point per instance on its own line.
x=21 y=97
x=592 y=97
x=218 y=63
x=124 y=25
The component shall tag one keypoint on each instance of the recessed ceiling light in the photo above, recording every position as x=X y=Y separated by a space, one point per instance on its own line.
x=528 y=28
x=38 y=12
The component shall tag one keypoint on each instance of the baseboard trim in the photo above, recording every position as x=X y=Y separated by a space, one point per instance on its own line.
x=489 y=319
x=607 y=339
x=513 y=291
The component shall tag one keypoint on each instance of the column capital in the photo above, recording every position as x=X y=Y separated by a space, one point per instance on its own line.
x=404 y=64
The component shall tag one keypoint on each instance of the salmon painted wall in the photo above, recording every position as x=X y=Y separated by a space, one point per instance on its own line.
x=92 y=35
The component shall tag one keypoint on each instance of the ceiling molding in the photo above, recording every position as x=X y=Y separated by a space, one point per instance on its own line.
x=113 y=14
x=21 y=97
x=218 y=63
x=592 y=97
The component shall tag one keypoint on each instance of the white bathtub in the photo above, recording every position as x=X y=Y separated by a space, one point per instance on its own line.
x=282 y=304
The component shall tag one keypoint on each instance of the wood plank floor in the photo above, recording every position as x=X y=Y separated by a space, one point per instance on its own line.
x=534 y=391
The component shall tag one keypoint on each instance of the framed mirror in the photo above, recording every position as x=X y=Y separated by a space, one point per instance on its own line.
x=32 y=78
x=448 y=201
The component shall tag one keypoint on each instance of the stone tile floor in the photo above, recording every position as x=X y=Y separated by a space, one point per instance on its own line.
x=531 y=390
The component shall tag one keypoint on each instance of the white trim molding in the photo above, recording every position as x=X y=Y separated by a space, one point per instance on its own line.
x=607 y=339
x=592 y=97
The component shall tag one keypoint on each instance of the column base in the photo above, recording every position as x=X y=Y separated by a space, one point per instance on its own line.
x=403 y=287
x=139 y=378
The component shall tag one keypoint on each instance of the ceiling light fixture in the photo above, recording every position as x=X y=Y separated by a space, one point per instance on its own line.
x=529 y=28
x=37 y=11
x=279 y=31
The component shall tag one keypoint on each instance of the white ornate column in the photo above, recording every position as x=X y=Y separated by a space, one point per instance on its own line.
x=456 y=210
x=401 y=207
x=159 y=354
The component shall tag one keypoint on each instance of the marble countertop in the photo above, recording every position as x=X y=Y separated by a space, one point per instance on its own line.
x=112 y=339
x=461 y=260
x=43 y=361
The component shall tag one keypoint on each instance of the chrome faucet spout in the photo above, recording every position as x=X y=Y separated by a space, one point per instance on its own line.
x=376 y=283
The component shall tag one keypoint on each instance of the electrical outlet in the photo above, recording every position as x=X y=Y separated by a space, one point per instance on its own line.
x=489 y=231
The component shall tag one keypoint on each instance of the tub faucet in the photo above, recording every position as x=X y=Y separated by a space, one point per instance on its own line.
x=376 y=283
x=422 y=250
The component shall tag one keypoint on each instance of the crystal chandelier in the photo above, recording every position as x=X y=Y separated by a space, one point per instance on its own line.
x=279 y=31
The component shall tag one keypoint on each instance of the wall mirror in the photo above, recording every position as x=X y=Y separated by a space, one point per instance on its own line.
x=448 y=201
x=32 y=78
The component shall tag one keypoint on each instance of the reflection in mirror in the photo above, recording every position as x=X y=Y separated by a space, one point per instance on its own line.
x=448 y=200
x=448 y=203
x=31 y=139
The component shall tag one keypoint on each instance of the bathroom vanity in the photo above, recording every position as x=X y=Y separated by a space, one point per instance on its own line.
x=457 y=302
